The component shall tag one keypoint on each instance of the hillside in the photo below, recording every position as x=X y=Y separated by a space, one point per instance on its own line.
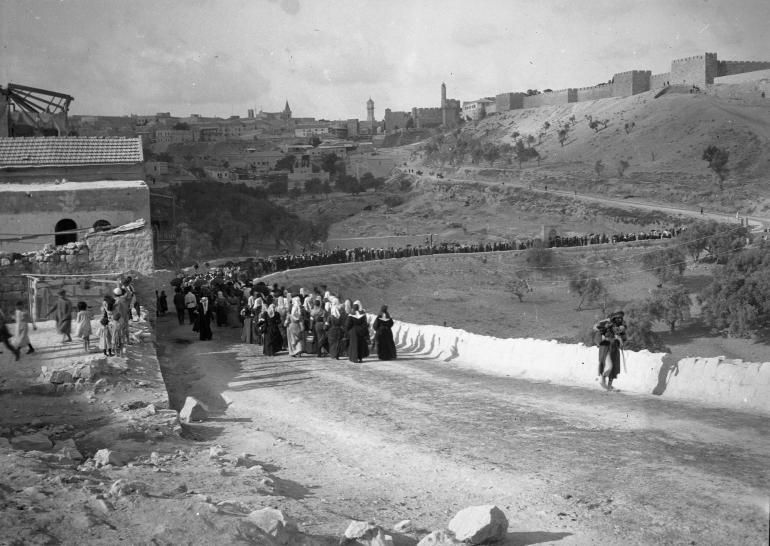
x=662 y=140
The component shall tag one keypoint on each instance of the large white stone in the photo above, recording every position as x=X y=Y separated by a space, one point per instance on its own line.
x=439 y=538
x=276 y=524
x=366 y=533
x=103 y=457
x=479 y=524
x=193 y=410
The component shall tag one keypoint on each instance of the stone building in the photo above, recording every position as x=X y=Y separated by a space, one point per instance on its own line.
x=57 y=189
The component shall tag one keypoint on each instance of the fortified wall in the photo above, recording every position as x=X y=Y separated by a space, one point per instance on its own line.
x=699 y=70
x=102 y=255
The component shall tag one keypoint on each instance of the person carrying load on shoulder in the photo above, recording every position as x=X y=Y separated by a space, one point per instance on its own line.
x=613 y=333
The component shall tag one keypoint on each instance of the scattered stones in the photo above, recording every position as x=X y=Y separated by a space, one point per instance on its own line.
x=276 y=524
x=233 y=506
x=479 y=524
x=32 y=442
x=136 y=404
x=103 y=457
x=193 y=410
x=439 y=538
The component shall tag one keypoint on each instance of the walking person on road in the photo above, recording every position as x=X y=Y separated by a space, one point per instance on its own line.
x=179 y=304
x=5 y=336
x=383 y=336
x=190 y=303
x=613 y=333
x=62 y=311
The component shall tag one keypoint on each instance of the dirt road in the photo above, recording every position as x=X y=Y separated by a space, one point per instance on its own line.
x=420 y=439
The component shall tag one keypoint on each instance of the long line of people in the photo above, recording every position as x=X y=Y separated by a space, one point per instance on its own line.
x=308 y=322
x=261 y=266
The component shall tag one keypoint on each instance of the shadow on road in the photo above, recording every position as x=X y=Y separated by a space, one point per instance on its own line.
x=524 y=538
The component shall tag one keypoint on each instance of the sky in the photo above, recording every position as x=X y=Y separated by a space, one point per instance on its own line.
x=327 y=57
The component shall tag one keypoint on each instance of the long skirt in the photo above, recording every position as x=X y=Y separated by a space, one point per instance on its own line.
x=321 y=339
x=334 y=338
x=246 y=331
x=294 y=333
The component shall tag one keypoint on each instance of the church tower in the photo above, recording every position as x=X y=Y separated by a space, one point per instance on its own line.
x=370 y=111
x=286 y=114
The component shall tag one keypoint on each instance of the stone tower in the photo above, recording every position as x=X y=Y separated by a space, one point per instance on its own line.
x=286 y=114
x=370 y=111
x=443 y=103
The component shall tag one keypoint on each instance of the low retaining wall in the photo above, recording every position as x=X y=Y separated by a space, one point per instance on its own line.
x=714 y=381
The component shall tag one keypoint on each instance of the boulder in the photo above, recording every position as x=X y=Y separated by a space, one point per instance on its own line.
x=404 y=526
x=365 y=533
x=60 y=376
x=193 y=410
x=69 y=448
x=103 y=457
x=479 y=524
x=216 y=451
x=32 y=442
x=276 y=524
x=439 y=538
x=121 y=488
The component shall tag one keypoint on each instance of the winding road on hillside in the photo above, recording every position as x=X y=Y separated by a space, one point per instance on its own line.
x=419 y=439
x=757 y=222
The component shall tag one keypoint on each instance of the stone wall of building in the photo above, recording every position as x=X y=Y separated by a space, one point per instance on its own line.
x=509 y=101
x=395 y=120
x=101 y=255
x=595 y=92
x=633 y=82
x=552 y=98
x=28 y=209
x=657 y=81
x=427 y=117
x=744 y=77
x=730 y=68
x=698 y=70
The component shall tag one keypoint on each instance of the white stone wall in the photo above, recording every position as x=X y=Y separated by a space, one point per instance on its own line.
x=713 y=381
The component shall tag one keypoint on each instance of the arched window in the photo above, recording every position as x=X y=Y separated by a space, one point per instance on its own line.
x=64 y=238
x=101 y=225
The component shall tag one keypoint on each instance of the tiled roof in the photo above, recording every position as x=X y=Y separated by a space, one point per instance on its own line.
x=69 y=151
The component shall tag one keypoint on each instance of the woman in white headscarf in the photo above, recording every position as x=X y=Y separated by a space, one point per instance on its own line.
x=294 y=328
x=269 y=324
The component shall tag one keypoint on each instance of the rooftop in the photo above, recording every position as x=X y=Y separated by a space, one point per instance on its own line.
x=69 y=151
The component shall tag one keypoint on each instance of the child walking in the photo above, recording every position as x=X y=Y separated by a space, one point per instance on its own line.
x=22 y=328
x=83 y=326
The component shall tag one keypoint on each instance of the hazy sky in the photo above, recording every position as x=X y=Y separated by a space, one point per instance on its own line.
x=328 y=57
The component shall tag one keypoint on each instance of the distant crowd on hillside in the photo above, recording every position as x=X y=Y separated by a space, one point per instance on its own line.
x=260 y=266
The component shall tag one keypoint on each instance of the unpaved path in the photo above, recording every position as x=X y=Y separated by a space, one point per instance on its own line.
x=420 y=439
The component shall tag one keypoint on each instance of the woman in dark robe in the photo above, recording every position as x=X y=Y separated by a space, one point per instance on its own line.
x=383 y=335
x=204 y=314
x=270 y=326
x=358 y=330
x=333 y=327
x=319 y=329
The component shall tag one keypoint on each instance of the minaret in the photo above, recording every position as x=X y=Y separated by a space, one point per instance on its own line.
x=443 y=103
x=370 y=111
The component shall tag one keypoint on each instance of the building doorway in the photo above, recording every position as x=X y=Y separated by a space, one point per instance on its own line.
x=64 y=238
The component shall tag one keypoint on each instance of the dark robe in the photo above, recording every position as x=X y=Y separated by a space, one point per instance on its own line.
x=62 y=311
x=321 y=339
x=203 y=320
x=272 y=340
x=334 y=336
x=383 y=338
x=358 y=332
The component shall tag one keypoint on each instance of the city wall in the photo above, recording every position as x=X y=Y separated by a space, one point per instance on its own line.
x=595 y=93
x=553 y=98
x=731 y=68
x=756 y=76
x=715 y=381
x=99 y=255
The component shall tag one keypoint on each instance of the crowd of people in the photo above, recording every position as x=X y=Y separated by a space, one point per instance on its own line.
x=314 y=322
x=261 y=266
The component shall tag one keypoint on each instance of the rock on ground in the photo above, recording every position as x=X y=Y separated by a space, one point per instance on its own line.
x=29 y=442
x=103 y=457
x=479 y=524
x=276 y=524
x=365 y=533
x=439 y=538
x=193 y=410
